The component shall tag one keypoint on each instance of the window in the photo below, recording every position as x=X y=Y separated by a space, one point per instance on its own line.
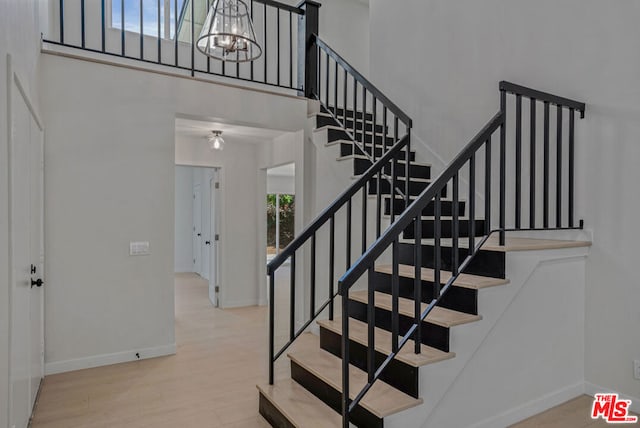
x=130 y=12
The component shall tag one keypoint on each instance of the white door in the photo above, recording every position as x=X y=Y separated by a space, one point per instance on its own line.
x=197 y=229
x=26 y=244
x=214 y=283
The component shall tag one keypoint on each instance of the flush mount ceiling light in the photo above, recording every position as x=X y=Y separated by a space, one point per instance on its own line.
x=215 y=141
x=227 y=33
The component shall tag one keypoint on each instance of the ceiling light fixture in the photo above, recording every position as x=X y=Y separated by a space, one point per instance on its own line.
x=228 y=34
x=215 y=141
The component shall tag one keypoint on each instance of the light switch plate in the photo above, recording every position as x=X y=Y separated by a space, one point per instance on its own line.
x=139 y=248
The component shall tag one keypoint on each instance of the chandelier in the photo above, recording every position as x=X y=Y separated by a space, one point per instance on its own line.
x=228 y=34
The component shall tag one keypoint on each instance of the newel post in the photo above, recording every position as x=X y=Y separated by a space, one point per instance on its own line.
x=308 y=25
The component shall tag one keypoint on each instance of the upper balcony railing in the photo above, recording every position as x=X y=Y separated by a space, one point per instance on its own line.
x=164 y=32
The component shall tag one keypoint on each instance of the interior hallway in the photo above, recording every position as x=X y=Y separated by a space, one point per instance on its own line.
x=211 y=380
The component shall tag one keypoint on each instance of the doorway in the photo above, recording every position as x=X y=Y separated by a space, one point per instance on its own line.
x=26 y=243
x=280 y=208
x=197 y=224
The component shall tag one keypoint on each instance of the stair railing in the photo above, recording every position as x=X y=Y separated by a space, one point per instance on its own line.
x=411 y=219
x=394 y=134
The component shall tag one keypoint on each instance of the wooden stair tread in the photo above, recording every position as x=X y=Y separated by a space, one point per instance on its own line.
x=382 y=400
x=358 y=332
x=440 y=316
x=512 y=243
x=464 y=280
x=299 y=406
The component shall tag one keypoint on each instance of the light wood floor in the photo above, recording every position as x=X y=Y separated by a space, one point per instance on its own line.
x=210 y=382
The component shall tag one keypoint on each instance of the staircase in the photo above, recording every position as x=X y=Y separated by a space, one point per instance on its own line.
x=407 y=291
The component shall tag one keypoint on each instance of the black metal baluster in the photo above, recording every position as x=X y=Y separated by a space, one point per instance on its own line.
x=355 y=109
x=335 y=88
x=82 y=23
x=272 y=303
x=378 y=204
x=393 y=187
x=61 y=17
x=326 y=89
x=292 y=297
x=319 y=72
x=455 y=224
x=487 y=187
x=545 y=210
x=141 y=30
x=472 y=205
x=345 y=357
x=503 y=166
x=159 y=35
x=571 y=163
x=122 y=41
x=312 y=297
x=291 y=49
x=251 y=66
x=175 y=31
x=193 y=42
x=532 y=166
x=348 y=235
x=395 y=297
x=278 y=44
x=344 y=102
x=385 y=130
x=266 y=44
x=332 y=231
x=518 y=213
x=407 y=165
x=417 y=284
x=364 y=219
x=437 y=250
x=103 y=25
x=371 y=326
x=364 y=115
x=559 y=167
x=373 y=126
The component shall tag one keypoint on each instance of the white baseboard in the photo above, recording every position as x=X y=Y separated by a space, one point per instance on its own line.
x=229 y=304
x=592 y=389
x=533 y=407
x=108 y=359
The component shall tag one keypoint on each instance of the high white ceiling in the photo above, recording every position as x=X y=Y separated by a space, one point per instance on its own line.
x=201 y=129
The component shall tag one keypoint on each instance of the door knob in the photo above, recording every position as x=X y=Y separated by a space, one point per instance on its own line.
x=207 y=242
x=199 y=234
x=38 y=283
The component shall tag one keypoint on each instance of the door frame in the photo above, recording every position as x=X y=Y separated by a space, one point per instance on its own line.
x=221 y=225
x=197 y=234
x=214 y=230
x=15 y=82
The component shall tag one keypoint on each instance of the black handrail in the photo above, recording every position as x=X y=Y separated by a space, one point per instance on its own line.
x=432 y=195
x=542 y=96
x=371 y=88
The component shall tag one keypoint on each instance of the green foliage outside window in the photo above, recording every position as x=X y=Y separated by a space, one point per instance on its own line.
x=287 y=212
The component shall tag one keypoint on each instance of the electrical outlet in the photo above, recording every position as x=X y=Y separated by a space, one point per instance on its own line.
x=636 y=369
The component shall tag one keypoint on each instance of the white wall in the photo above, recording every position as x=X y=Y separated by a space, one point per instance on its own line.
x=19 y=37
x=281 y=184
x=110 y=156
x=344 y=25
x=183 y=255
x=454 y=54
